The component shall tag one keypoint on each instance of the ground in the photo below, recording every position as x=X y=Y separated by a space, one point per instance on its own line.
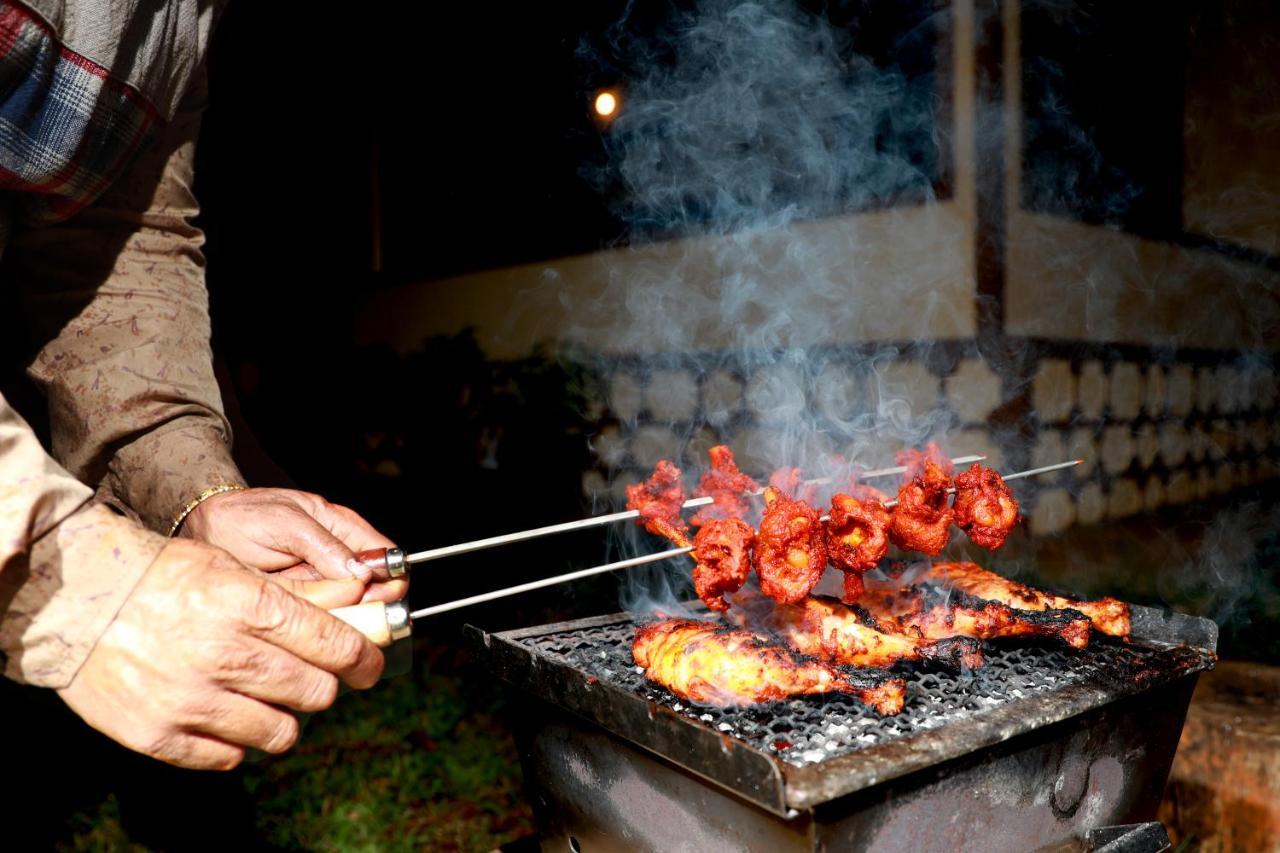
x=421 y=762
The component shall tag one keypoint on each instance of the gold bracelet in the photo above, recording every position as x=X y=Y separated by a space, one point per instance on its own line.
x=199 y=499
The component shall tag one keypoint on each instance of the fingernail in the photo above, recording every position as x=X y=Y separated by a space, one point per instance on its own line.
x=359 y=570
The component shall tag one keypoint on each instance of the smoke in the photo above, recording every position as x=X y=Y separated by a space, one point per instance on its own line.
x=751 y=116
x=749 y=136
x=747 y=133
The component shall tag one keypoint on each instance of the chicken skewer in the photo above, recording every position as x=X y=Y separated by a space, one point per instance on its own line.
x=376 y=613
x=394 y=561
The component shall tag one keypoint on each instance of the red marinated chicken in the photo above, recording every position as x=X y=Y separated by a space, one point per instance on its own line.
x=717 y=665
x=922 y=517
x=849 y=636
x=863 y=492
x=914 y=460
x=787 y=481
x=722 y=550
x=857 y=539
x=791 y=550
x=659 y=501
x=729 y=488
x=985 y=509
x=1108 y=615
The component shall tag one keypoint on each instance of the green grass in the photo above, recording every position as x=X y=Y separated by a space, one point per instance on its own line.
x=420 y=762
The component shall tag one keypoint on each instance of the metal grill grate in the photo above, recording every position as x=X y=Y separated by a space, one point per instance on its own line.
x=811 y=729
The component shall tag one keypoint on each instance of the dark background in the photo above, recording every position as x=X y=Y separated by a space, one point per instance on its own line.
x=462 y=140
x=342 y=155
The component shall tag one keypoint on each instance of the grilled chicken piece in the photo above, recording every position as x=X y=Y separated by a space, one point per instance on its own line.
x=857 y=539
x=985 y=508
x=728 y=488
x=718 y=665
x=1108 y=615
x=787 y=481
x=849 y=636
x=791 y=550
x=914 y=459
x=922 y=517
x=863 y=492
x=931 y=613
x=722 y=549
x=659 y=501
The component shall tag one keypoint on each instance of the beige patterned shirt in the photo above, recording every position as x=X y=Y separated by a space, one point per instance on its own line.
x=116 y=296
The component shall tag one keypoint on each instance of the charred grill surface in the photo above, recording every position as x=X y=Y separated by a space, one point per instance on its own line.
x=1022 y=685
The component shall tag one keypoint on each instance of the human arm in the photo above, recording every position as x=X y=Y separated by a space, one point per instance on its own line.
x=117 y=296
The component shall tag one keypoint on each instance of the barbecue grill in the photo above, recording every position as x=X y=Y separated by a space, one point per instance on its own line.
x=1034 y=750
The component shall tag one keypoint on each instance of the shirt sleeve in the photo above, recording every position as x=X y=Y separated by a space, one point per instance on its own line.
x=66 y=564
x=117 y=297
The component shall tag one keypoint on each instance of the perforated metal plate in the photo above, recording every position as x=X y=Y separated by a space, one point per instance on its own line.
x=811 y=729
x=807 y=750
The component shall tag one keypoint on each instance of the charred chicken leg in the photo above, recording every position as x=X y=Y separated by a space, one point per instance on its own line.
x=931 y=613
x=849 y=636
x=1108 y=615
x=718 y=665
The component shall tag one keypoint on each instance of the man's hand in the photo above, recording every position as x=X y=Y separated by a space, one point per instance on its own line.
x=205 y=652
x=297 y=533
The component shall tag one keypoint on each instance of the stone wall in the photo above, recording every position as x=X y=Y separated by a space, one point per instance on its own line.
x=1154 y=428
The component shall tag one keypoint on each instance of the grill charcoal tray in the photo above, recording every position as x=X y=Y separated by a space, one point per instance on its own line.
x=807 y=750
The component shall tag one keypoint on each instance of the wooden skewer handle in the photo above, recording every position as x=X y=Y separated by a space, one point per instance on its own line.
x=383 y=562
x=382 y=623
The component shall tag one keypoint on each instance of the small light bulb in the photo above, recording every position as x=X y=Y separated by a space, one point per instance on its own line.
x=606 y=104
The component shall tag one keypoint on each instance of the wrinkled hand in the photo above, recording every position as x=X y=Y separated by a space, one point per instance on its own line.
x=205 y=652
x=296 y=533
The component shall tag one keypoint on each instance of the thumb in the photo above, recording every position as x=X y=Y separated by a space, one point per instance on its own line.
x=325 y=594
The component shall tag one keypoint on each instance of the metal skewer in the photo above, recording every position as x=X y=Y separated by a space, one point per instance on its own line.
x=393 y=561
x=1031 y=472
x=384 y=623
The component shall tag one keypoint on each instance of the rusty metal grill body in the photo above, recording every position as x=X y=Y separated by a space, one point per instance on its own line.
x=1036 y=747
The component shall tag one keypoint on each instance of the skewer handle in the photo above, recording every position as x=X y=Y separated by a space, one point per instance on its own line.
x=382 y=623
x=383 y=562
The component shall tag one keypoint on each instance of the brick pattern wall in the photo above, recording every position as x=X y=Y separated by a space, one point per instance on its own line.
x=1155 y=428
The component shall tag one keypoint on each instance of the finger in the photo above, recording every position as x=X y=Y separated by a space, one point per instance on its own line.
x=311 y=542
x=199 y=752
x=301 y=572
x=241 y=721
x=325 y=594
x=284 y=620
x=356 y=533
x=386 y=591
x=262 y=671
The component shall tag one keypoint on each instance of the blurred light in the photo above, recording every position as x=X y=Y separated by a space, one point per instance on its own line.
x=606 y=104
